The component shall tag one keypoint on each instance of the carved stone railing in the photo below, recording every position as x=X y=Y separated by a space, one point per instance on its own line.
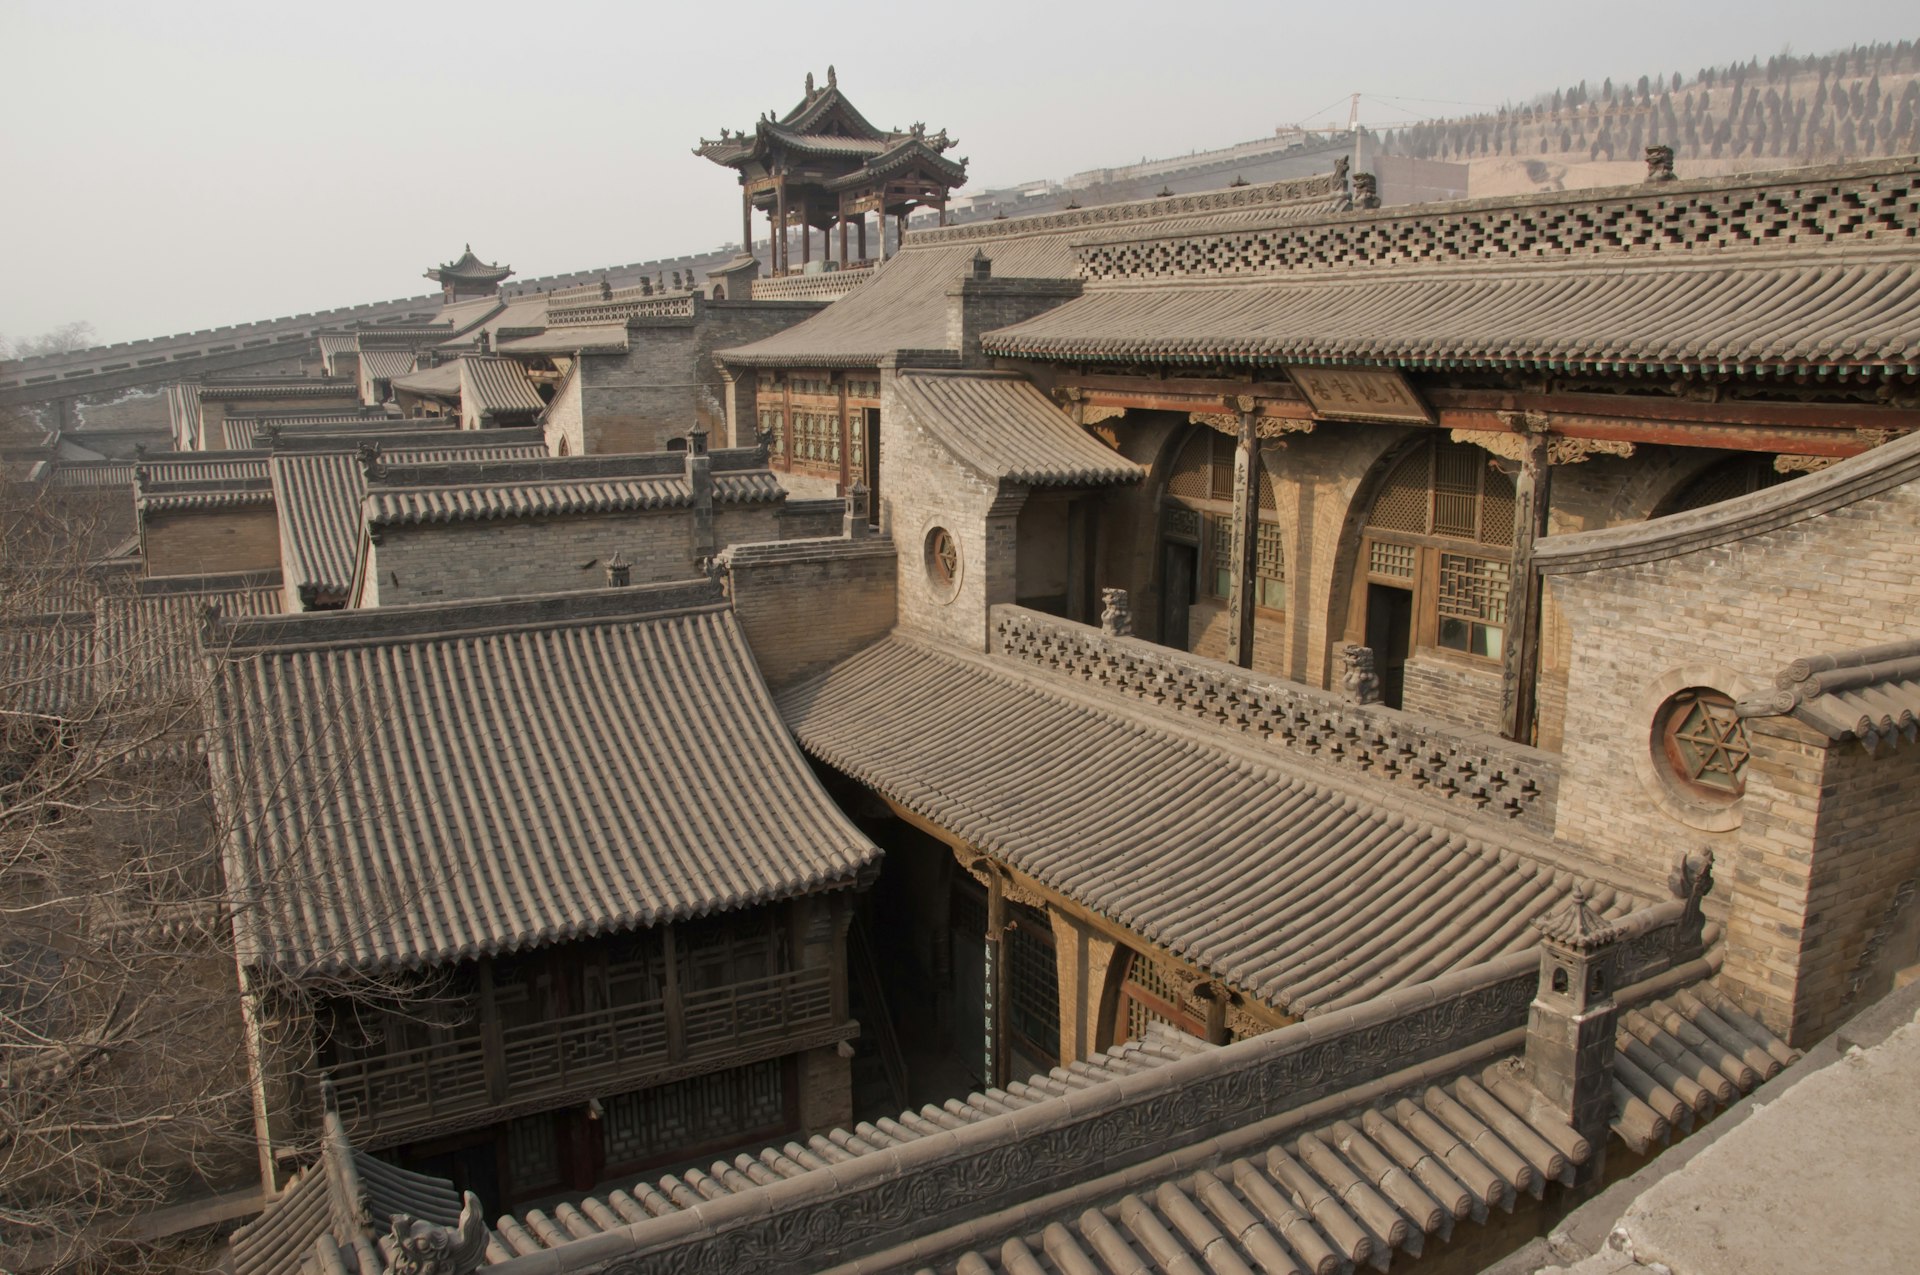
x=828 y=286
x=455 y=1083
x=1462 y=767
x=619 y=311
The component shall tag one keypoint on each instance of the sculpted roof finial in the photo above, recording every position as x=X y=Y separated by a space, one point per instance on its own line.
x=1577 y=926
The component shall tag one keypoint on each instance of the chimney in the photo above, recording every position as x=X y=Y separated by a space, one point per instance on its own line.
x=619 y=571
x=982 y=265
x=700 y=479
x=1570 y=1026
x=856 y=515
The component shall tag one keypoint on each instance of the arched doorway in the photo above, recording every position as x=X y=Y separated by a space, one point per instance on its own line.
x=1434 y=562
x=1195 y=546
x=1143 y=992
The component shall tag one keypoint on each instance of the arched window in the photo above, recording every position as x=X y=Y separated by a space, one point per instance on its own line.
x=1200 y=505
x=1734 y=476
x=1436 y=558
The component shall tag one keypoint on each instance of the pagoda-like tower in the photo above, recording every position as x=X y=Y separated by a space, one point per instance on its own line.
x=822 y=165
x=468 y=277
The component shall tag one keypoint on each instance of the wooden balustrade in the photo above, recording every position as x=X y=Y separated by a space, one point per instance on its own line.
x=410 y=1092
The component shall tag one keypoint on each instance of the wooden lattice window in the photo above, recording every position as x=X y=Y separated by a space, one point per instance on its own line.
x=1270 y=563
x=1446 y=489
x=1472 y=603
x=1033 y=987
x=652 y=1124
x=1705 y=742
x=1737 y=476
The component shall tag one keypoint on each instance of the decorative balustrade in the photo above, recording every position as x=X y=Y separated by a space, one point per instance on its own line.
x=461 y=1082
x=810 y=287
x=1425 y=756
x=619 y=311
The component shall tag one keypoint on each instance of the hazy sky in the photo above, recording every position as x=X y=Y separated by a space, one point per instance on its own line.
x=176 y=164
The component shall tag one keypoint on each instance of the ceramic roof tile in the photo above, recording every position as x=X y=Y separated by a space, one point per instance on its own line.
x=1686 y=315
x=1870 y=694
x=570 y=339
x=437 y=382
x=414 y=491
x=497 y=386
x=385 y=365
x=1005 y=429
x=151 y=637
x=379 y=768
x=1303 y=896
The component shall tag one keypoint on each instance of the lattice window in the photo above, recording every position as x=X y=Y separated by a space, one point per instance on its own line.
x=856 y=445
x=1033 y=989
x=1706 y=742
x=636 y=967
x=1739 y=476
x=1141 y=1016
x=1405 y=500
x=1473 y=604
x=969 y=913
x=773 y=422
x=735 y=948
x=816 y=439
x=652 y=1124
x=1270 y=563
x=1396 y=562
x=533 y=1158
x=1184 y=523
x=1192 y=475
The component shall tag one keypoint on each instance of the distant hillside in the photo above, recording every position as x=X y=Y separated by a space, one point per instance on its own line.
x=1788 y=112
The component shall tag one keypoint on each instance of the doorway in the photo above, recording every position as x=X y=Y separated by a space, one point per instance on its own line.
x=1390 y=634
x=1180 y=567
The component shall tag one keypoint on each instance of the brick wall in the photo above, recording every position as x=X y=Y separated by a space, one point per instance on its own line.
x=1830 y=833
x=565 y=424
x=211 y=542
x=807 y=604
x=1454 y=688
x=922 y=487
x=444 y=562
x=1728 y=616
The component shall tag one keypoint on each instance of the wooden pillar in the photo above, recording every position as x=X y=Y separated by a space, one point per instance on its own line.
x=676 y=1010
x=843 y=232
x=943 y=212
x=846 y=435
x=746 y=220
x=493 y=1058
x=1245 y=540
x=1520 y=681
x=996 y=1060
x=806 y=236
x=862 y=242
x=780 y=222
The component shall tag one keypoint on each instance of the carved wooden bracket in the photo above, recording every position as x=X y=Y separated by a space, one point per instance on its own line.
x=1560 y=451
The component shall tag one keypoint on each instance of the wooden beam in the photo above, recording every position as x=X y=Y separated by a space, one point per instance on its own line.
x=1520 y=664
x=1245 y=539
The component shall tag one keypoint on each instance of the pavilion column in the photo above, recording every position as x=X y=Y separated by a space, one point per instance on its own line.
x=780 y=219
x=862 y=236
x=806 y=237
x=1245 y=539
x=843 y=232
x=1520 y=673
x=746 y=220
x=996 y=1062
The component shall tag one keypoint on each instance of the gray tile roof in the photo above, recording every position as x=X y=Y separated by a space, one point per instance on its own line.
x=1664 y=316
x=1303 y=895
x=1870 y=694
x=385 y=365
x=318 y=498
x=537 y=1230
x=333 y=1215
x=46 y=663
x=1396 y=1174
x=417 y=785
x=151 y=637
x=570 y=340
x=497 y=386
x=483 y=489
x=438 y=382
x=904 y=305
x=1005 y=429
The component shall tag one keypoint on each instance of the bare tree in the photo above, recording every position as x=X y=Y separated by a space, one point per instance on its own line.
x=125 y=1084
x=77 y=335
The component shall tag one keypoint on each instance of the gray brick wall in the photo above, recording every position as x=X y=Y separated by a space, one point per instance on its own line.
x=808 y=604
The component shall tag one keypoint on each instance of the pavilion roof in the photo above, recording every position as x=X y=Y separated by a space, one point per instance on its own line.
x=825 y=125
x=488 y=777
x=469 y=269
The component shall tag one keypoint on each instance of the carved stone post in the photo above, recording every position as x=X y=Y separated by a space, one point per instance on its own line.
x=1116 y=620
x=1520 y=681
x=1570 y=1027
x=1245 y=540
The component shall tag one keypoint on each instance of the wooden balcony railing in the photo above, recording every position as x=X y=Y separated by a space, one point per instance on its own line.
x=410 y=1092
